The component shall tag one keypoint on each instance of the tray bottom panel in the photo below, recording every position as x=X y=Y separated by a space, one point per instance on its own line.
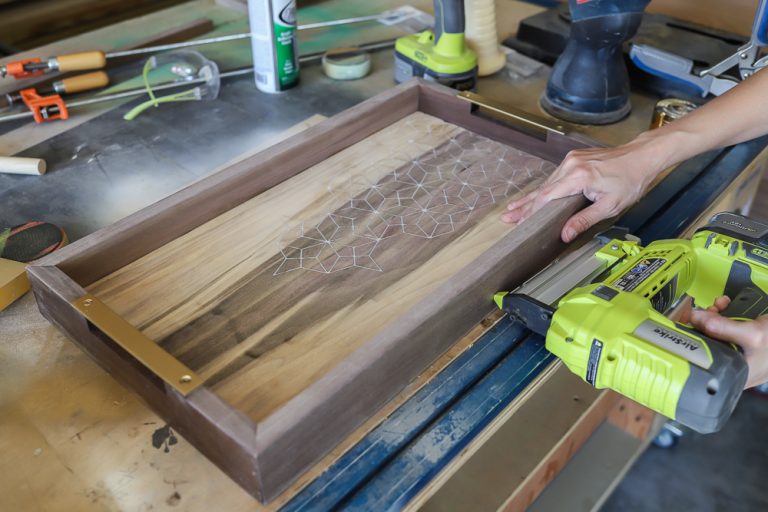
x=267 y=298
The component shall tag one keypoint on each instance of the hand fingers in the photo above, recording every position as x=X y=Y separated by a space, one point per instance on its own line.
x=560 y=184
x=586 y=218
x=535 y=202
x=518 y=203
x=722 y=302
x=682 y=312
x=514 y=217
x=746 y=334
x=555 y=188
x=558 y=190
x=518 y=210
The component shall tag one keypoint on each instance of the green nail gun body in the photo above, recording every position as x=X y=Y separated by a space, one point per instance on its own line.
x=611 y=328
x=442 y=55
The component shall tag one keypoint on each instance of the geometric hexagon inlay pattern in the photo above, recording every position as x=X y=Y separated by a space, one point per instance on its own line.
x=427 y=197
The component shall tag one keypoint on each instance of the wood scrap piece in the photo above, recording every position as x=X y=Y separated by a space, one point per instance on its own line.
x=32 y=23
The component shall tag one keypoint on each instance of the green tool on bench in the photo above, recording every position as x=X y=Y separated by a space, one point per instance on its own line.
x=441 y=55
x=610 y=326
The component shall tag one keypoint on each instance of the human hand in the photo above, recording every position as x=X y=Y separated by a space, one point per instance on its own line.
x=751 y=336
x=612 y=178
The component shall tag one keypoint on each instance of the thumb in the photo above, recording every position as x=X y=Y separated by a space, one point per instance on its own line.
x=714 y=325
x=585 y=219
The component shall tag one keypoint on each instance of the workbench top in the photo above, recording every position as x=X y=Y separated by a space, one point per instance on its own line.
x=71 y=438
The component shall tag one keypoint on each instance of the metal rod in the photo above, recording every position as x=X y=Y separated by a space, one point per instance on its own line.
x=346 y=21
x=176 y=46
x=161 y=87
x=236 y=37
x=370 y=47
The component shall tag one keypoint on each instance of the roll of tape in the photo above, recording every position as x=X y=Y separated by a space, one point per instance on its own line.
x=346 y=63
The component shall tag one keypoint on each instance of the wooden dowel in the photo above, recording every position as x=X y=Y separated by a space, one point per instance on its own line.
x=18 y=165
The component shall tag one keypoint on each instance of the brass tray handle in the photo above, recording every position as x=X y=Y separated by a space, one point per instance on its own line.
x=529 y=123
x=146 y=351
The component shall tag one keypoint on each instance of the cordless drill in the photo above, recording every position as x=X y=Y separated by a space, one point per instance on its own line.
x=440 y=55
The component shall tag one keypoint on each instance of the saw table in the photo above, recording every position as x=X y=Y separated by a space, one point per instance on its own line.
x=492 y=424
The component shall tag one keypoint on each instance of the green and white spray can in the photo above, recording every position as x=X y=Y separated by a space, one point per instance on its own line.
x=274 y=41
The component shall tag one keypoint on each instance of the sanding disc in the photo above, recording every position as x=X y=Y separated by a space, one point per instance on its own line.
x=31 y=241
x=346 y=63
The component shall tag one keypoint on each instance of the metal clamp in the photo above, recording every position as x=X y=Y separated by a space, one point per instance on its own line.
x=19 y=70
x=529 y=123
x=44 y=108
x=146 y=351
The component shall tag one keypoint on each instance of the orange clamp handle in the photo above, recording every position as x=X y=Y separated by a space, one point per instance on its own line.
x=39 y=105
x=18 y=71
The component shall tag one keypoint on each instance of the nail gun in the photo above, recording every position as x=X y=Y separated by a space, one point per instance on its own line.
x=611 y=324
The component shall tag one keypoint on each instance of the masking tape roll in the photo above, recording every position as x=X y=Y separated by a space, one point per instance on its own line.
x=481 y=36
x=346 y=63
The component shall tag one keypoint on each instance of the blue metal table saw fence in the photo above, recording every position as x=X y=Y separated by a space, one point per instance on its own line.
x=398 y=458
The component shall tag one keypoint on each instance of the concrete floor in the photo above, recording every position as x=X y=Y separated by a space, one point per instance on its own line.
x=722 y=472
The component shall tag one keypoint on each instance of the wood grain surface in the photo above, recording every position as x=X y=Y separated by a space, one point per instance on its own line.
x=439 y=187
x=259 y=338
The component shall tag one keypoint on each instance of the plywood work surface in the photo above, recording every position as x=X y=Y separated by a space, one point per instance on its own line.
x=267 y=298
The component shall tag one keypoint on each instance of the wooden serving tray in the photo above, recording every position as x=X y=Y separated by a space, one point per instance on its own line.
x=270 y=309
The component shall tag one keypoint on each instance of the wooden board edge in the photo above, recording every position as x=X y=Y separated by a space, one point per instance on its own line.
x=221 y=433
x=442 y=102
x=551 y=465
x=113 y=247
x=446 y=473
x=402 y=398
x=632 y=418
x=357 y=387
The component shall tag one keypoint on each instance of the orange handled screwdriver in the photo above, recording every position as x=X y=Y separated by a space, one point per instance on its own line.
x=71 y=62
x=72 y=85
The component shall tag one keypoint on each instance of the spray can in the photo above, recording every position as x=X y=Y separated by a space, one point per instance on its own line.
x=275 y=48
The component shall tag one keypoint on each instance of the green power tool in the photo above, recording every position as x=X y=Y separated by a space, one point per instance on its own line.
x=612 y=328
x=441 y=55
